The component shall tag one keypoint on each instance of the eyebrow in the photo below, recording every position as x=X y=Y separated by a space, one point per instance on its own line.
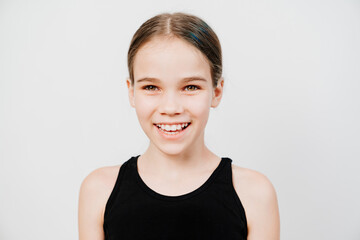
x=187 y=79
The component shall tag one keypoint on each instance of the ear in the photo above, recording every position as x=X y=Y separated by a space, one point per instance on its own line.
x=130 y=92
x=217 y=93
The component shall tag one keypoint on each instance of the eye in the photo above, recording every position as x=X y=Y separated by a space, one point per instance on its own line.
x=191 y=88
x=150 y=88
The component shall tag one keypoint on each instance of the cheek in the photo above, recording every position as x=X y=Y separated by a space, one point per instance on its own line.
x=144 y=106
x=200 y=106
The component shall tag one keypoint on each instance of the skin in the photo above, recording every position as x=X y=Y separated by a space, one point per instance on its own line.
x=172 y=83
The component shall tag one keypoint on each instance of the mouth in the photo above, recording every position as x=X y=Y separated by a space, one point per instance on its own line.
x=172 y=129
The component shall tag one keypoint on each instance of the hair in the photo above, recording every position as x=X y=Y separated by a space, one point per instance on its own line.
x=187 y=27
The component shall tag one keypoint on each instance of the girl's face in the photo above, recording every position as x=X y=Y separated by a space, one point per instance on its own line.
x=172 y=94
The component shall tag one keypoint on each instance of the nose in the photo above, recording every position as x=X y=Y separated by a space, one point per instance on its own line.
x=170 y=104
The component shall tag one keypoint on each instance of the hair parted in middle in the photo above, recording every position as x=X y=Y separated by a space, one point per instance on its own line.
x=188 y=27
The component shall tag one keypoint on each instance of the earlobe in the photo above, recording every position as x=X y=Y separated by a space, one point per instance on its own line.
x=130 y=92
x=217 y=93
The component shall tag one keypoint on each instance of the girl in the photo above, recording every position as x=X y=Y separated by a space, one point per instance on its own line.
x=178 y=188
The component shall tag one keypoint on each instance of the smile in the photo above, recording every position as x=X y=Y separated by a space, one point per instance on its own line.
x=172 y=128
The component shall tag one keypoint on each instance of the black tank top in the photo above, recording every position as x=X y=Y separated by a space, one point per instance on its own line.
x=212 y=211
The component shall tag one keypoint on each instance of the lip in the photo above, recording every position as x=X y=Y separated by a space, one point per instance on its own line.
x=170 y=123
x=172 y=136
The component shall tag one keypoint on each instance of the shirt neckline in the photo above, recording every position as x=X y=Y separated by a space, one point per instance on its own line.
x=160 y=196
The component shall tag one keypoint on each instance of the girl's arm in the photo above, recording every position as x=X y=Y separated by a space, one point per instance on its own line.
x=265 y=223
x=260 y=202
x=94 y=192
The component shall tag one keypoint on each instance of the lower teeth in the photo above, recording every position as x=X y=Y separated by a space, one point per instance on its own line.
x=171 y=133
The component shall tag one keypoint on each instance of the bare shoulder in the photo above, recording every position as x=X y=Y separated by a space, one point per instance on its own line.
x=258 y=197
x=99 y=183
x=101 y=177
x=95 y=190
x=248 y=181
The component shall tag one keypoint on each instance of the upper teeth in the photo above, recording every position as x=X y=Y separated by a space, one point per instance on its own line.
x=174 y=127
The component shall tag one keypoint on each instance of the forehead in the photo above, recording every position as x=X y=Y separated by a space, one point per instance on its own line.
x=170 y=58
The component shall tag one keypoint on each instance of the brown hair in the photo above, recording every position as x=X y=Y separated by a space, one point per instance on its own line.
x=184 y=26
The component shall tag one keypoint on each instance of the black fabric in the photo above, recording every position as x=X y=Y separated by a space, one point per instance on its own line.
x=212 y=211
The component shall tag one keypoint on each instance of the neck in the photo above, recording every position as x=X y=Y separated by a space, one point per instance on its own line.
x=159 y=162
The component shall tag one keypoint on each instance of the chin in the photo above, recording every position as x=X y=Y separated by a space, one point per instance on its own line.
x=173 y=150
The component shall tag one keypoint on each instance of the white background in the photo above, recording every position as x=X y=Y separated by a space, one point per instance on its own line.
x=291 y=106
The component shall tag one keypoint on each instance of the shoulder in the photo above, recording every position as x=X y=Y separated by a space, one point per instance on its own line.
x=258 y=196
x=95 y=190
x=251 y=181
x=100 y=177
